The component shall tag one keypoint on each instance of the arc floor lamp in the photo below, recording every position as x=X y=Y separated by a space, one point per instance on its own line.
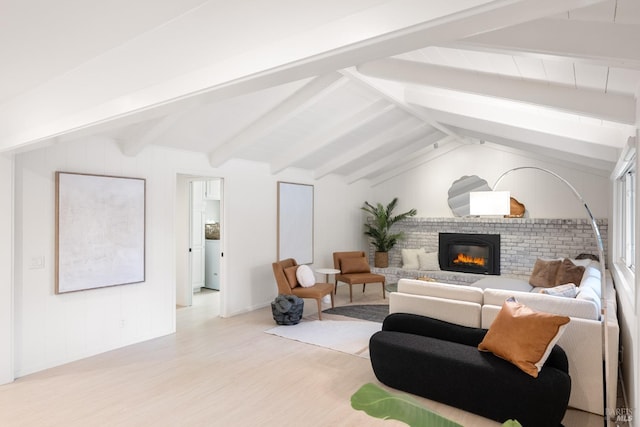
x=498 y=203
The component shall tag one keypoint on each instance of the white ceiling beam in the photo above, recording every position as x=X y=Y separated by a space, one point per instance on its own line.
x=602 y=43
x=545 y=154
x=315 y=142
x=298 y=101
x=410 y=151
x=396 y=97
x=132 y=146
x=428 y=154
x=528 y=118
x=535 y=137
x=294 y=53
x=605 y=106
x=397 y=134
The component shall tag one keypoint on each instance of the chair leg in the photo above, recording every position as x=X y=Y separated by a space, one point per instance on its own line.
x=319 y=301
x=364 y=285
x=350 y=292
x=383 y=295
x=332 y=300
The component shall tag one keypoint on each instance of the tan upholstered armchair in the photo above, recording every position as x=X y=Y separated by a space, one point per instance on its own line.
x=285 y=272
x=354 y=269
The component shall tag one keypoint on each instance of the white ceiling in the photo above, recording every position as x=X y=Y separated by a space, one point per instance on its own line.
x=350 y=87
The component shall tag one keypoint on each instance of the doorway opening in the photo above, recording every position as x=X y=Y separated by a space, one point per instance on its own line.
x=200 y=244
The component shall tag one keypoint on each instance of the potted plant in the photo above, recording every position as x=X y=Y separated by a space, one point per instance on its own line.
x=380 y=229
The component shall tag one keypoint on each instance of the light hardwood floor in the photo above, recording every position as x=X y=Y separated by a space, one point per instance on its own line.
x=212 y=372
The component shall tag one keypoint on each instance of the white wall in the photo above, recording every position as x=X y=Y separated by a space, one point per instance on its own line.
x=250 y=228
x=628 y=305
x=426 y=187
x=6 y=269
x=55 y=329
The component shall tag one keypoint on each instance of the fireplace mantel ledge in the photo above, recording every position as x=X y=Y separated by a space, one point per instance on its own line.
x=501 y=220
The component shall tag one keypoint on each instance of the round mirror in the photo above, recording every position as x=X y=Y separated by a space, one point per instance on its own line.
x=459 y=193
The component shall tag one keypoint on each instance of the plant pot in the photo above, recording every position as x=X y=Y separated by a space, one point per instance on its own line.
x=381 y=260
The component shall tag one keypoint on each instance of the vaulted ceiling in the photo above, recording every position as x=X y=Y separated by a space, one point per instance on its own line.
x=349 y=87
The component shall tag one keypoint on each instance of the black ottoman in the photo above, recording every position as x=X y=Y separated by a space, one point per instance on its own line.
x=287 y=309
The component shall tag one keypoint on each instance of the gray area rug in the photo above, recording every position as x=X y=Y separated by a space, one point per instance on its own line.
x=371 y=312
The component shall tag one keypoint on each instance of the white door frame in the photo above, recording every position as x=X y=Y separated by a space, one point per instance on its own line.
x=196 y=237
x=184 y=291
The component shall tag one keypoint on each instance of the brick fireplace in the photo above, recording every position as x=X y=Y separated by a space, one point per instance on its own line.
x=522 y=241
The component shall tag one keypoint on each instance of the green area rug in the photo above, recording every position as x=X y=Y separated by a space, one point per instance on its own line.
x=370 y=312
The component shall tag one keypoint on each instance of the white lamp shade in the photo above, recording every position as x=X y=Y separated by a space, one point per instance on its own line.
x=489 y=203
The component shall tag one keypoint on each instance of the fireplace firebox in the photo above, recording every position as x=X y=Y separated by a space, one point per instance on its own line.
x=469 y=253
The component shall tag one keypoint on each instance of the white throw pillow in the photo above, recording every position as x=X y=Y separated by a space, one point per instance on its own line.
x=568 y=290
x=410 y=258
x=305 y=276
x=429 y=261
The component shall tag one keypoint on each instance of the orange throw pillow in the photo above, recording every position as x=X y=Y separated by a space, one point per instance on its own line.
x=290 y=273
x=523 y=336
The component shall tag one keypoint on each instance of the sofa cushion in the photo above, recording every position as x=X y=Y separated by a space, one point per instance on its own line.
x=589 y=295
x=568 y=272
x=523 y=336
x=558 y=305
x=449 y=310
x=352 y=265
x=499 y=282
x=590 y=289
x=544 y=273
x=591 y=279
x=410 y=258
x=441 y=290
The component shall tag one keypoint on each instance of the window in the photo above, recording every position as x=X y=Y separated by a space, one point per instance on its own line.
x=625 y=212
x=622 y=231
x=627 y=198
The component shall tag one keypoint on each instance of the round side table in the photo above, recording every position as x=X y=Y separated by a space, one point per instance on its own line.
x=327 y=272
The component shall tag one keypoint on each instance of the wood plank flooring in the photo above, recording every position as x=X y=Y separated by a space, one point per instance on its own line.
x=212 y=372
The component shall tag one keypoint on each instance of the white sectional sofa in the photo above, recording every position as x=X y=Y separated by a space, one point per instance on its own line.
x=477 y=306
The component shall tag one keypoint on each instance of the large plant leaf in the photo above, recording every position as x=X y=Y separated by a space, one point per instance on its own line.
x=383 y=219
x=379 y=403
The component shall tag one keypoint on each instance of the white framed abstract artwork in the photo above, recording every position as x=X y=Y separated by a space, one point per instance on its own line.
x=295 y=222
x=100 y=231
